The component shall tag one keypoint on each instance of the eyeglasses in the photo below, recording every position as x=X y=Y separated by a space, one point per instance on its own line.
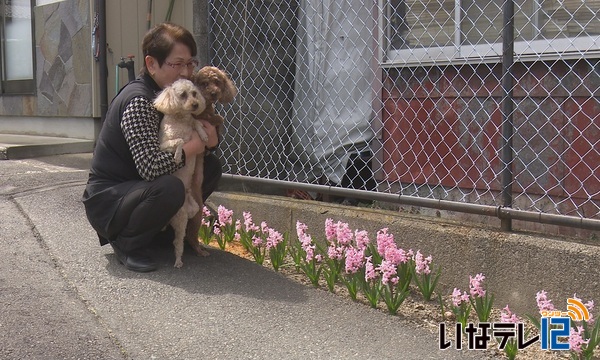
x=190 y=65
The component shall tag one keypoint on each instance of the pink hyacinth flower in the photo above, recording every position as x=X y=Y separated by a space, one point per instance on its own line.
x=388 y=272
x=264 y=227
x=205 y=212
x=384 y=241
x=362 y=239
x=344 y=234
x=301 y=229
x=330 y=230
x=335 y=252
x=458 y=298
x=542 y=301
x=225 y=215
x=310 y=252
x=355 y=259
x=248 y=223
x=395 y=255
x=507 y=316
x=475 y=285
x=257 y=241
x=576 y=339
x=274 y=238
x=422 y=263
x=370 y=273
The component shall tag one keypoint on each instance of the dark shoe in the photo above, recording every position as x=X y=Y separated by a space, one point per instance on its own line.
x=136 y=260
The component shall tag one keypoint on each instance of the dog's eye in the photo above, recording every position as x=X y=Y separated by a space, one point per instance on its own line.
x=183 y=95
x=194 y=94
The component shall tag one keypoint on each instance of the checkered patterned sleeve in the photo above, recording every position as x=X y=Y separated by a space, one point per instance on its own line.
x=140 y=124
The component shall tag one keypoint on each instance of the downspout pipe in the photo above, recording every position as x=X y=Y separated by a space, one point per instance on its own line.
x=102 y=58
x=486 y=210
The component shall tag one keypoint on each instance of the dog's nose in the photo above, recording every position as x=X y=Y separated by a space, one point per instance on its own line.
x=195 y=106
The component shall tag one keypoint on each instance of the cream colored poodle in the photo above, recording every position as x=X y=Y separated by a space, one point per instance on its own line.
x=179 y=102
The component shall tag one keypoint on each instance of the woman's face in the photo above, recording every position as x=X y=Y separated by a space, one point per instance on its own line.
x=178 y=65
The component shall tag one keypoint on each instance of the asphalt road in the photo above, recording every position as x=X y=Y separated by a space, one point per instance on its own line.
x=62 y=296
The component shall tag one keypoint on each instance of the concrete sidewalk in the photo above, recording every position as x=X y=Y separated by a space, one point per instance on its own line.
x=14 y=146
x=64 y=297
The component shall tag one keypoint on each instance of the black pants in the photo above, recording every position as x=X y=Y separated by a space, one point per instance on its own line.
x=149 y=206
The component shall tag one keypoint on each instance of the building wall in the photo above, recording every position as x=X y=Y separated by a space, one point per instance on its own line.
x=64 y=82
x=428 y=111
x=67 y=100
x=126 y=26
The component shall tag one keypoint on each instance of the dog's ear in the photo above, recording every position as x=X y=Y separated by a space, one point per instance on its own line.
x=195 y=78
x=166 y=101
x=229 y=89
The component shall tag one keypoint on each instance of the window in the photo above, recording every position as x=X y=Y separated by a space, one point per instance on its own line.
x=434 y=31
x=16 y=48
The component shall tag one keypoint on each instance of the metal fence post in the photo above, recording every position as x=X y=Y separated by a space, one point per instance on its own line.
x=507 y=107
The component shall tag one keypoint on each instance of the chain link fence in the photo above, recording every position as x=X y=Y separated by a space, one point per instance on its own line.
x=406 y=97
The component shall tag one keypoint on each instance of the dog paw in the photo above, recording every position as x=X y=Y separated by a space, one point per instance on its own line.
x=178 y=154
x=201 y=132
x=178 y=263
x=199 y=249
x=203 y=252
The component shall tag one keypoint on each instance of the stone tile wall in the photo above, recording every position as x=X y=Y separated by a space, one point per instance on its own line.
x=63 y=58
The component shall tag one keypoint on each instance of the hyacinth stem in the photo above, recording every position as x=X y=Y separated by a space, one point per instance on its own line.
x=258 y=252
x=394 y=296
x=482 y=306
x=313 y=271
x=425 y=283
x=294 y=251
x=205 y=234
x=462 y=313
x=221 y=241
x=511 y=349
x=332 y=273
x=372 y=292
x=353 y=283
x=246 y=239
x=277 y=253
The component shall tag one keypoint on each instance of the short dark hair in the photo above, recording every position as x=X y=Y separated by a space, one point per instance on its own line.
x=159 y=41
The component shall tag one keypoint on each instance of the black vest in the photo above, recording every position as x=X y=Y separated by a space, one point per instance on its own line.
x=113 y=171
x=112 y=159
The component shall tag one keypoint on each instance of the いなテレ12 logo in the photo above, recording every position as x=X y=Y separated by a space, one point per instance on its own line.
x=556 y=324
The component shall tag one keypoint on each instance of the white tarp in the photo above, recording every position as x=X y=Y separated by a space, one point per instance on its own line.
x=332 y=110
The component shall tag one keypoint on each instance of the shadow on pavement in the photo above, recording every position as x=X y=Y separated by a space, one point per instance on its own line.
x=219 y=273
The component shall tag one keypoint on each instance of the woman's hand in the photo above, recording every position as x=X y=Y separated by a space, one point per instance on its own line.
x=195 y=146
x=211 y=131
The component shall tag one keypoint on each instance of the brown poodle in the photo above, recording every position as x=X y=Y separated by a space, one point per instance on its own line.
x=215 y=86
